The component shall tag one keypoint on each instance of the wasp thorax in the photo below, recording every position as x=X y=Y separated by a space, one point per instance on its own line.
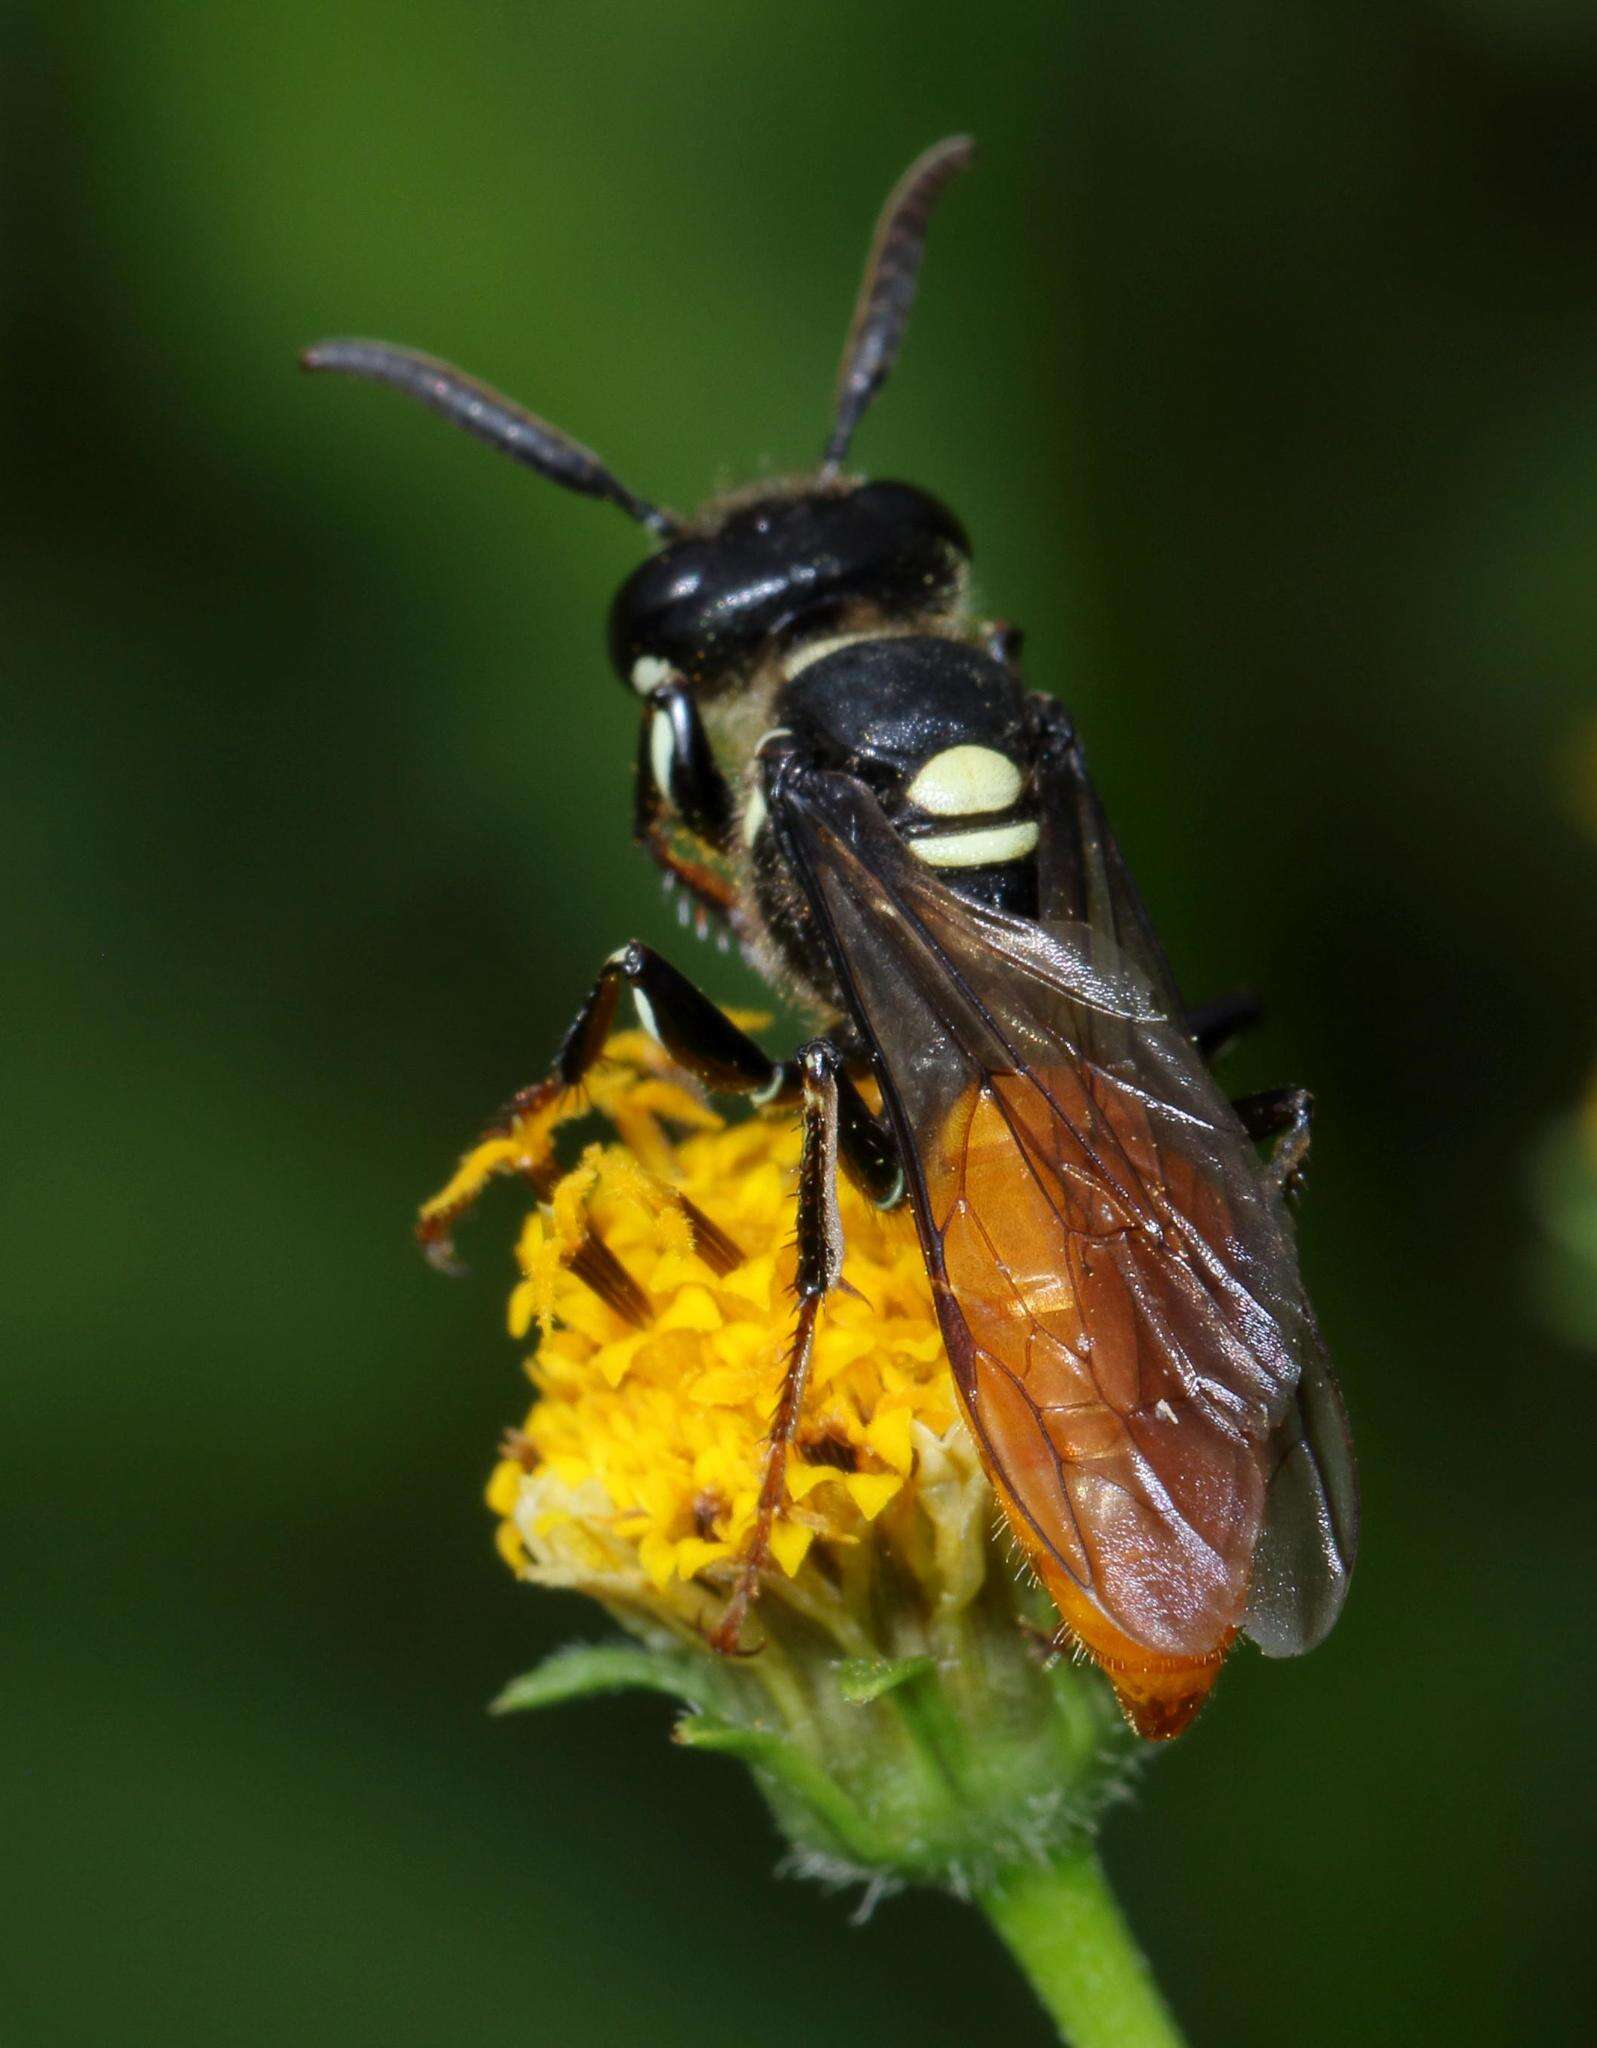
x=936 y=728
x=707 y=606
x=926 y=720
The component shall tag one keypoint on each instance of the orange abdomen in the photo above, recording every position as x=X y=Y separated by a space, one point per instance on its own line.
x=1105 y=1378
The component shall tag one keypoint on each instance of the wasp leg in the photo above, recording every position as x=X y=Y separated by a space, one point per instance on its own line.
x=820 y=1267
x=688 y=1025
x=679 y=1017
x=705 y=1043
x=867 y=1147
x=1214 y=1027
x=1286 y=1114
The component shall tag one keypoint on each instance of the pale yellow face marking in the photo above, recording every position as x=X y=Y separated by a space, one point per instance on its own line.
x=982 y=847
x=649 y=672
x=963 y=782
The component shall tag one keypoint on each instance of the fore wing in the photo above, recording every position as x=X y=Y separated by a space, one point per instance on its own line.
x=1309 y=1538
x=1117 y=1289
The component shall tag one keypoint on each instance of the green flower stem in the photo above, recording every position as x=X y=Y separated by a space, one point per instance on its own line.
x=1064 y=1927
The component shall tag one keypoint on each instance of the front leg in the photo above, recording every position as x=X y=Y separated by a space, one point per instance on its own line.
x=685 y=1022
x=819 y=1268
x=679 y=1017
x=707 y=1045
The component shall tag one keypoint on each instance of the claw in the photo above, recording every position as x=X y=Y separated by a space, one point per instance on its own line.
x=726 y=1637
x=438 y=1248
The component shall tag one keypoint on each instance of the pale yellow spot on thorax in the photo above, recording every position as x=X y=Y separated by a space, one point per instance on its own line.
x=979 y=848
x=965 y=781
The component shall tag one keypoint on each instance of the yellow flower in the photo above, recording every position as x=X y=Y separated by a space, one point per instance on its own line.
x=902 y=1709
x=636 y=1472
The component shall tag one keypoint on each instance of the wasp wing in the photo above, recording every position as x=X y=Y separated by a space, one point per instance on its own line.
x=1310 y=1535
x=1117 y=1290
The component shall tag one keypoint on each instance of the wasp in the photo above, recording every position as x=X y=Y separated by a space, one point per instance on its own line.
x=843 y=767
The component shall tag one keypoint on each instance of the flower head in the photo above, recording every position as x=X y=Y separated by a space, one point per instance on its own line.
x=903 y=1707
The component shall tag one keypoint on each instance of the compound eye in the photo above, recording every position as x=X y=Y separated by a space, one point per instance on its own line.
x=678 y=764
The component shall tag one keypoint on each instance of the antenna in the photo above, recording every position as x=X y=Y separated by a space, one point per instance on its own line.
x=502 y=424
x=887 y=290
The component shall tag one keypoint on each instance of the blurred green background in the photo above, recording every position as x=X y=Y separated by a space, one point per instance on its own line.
x=1261 y=359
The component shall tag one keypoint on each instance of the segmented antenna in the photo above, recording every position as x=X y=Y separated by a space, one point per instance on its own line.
x=503 y=425
x=887 y=290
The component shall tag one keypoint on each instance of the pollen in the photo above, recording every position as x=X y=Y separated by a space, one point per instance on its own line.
x=635 y=1472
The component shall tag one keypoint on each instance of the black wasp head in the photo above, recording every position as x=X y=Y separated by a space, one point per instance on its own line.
x=772 y=560
x=754 y=566
x=778 y=563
